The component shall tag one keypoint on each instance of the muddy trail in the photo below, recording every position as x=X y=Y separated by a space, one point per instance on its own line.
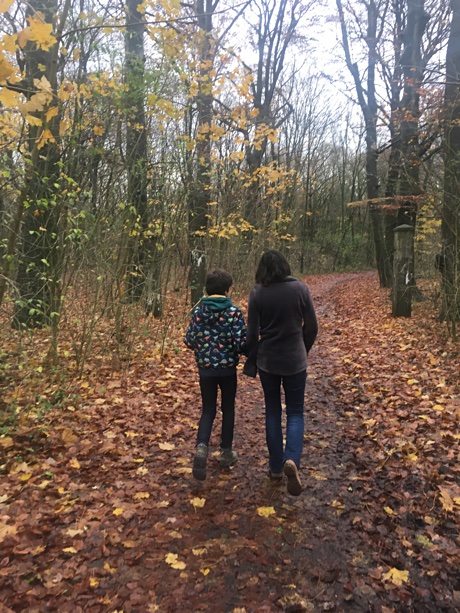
x=110 y=518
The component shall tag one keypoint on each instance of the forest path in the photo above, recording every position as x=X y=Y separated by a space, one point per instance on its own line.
x=110 y=518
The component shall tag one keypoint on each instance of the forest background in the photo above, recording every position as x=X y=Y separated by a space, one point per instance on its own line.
x=142 y=144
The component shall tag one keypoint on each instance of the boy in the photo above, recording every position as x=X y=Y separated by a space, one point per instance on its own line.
x=217 y=334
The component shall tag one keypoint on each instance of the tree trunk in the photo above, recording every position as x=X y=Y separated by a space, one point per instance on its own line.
x=39 y=268
x=451 y=205
x=199 y=190
x=143 y=266
x=369 y=110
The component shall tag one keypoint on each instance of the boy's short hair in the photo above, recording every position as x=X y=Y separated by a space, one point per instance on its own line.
x=218 y=282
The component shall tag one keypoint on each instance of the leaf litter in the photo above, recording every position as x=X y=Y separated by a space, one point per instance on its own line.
x=100 y=511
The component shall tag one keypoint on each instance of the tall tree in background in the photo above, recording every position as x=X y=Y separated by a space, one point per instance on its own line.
x=376 y=11
x=38 y=276
x=143 y=266
x=271 y=35
x=199 y=187
x=451 y=205
x=412 y=68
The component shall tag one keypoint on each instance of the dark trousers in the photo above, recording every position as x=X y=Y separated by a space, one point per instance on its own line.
x=294 y=392
x=209 y=387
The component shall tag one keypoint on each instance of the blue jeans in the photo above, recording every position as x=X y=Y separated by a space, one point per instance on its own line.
x=209 y=387
x=294 y=392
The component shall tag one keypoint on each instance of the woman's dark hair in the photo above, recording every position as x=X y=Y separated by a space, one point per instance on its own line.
x=273 y=268
x=218 y=282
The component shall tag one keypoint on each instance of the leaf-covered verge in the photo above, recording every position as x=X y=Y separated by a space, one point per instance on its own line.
x=99 y=511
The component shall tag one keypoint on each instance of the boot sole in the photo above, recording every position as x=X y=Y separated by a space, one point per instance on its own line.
x=294 y=487
x=199 y=468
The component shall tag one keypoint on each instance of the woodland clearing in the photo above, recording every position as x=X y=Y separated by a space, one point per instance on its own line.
x=99 y=511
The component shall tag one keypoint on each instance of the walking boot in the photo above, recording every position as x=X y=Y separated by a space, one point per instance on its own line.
x=228 y=457
x=199 y=462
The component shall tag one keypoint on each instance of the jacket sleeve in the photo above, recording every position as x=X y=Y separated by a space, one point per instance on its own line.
x=239 y=332
x=190 y=335
x=252 y=334
x=310 y=323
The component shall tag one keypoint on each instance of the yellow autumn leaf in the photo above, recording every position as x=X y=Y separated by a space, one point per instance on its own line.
x=265 y=511
x=74 y=463
x=94 y=582
x=397 y=577
x=205 y=571
x=438 y=407
x=198 y=502
x=45 y=137
x=38 y=32
x=389 y=510
x=9 y=43
x=98 y=130
x=118 y=511
x=172 y=560
x=64 y=125
x=109 y=568
x=8 y=97
x=25 y=477
x=199 y=551
x=446 y=500
x=52 y=112
x=69 y=550
x=5 y=5
x=6 y=68
x=166 y=446
x=141 y=495
x=32 y=120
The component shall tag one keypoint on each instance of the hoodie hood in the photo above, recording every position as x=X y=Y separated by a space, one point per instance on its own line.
x=217 y=303
x=212 y=307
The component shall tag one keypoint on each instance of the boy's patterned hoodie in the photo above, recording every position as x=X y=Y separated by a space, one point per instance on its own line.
x=217 y=334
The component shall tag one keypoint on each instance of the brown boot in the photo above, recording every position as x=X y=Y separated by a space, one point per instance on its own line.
x=294 y=487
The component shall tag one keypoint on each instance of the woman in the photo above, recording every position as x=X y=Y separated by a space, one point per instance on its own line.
x=282 y=328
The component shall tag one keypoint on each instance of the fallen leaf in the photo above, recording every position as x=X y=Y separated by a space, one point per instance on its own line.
x=396 y=576
x=141 y=495
x=172 y=560
x=446 y=500
x=118 y=511
x=74 y=463
x=6 y=442
x=198 y=502
x=205 y=571
x=6 y=530
x=265 y=511
x=166 y=446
